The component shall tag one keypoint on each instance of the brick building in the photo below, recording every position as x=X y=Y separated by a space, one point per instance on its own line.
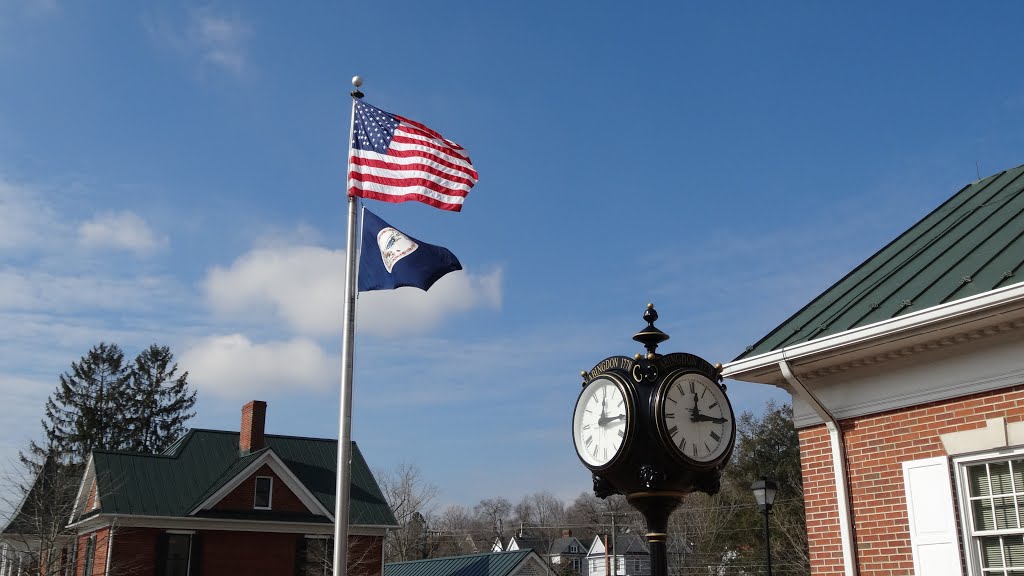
x=907 y=379
x=222 y=502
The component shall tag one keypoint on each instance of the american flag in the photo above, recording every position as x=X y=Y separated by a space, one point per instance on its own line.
x=395 y=159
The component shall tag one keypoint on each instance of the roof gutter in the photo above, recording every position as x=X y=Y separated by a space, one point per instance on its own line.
x=986 y=308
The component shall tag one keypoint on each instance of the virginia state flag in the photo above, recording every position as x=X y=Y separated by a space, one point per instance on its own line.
x=390 y=259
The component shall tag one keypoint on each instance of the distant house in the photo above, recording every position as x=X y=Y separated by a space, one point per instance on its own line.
x=566 y=554
x=37 y=537
x=221 y=502
x=621 y=554
x=907 y=378
x=569 y=553
x=518 y=563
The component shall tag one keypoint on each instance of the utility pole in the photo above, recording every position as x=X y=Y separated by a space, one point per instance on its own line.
x=614 y=550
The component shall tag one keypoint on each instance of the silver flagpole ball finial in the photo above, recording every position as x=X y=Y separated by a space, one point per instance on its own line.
x=357 y=81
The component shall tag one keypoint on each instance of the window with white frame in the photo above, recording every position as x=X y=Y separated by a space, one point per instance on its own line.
x=992 y=504
x=264 y=487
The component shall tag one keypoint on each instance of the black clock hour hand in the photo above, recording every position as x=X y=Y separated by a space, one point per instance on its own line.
x=606 y=419
x=695 y=414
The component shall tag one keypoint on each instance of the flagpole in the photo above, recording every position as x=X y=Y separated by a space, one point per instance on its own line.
x=344 y=473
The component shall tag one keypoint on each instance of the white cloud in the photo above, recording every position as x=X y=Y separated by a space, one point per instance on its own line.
x=35 y=290
x=233 y=366
x=216 y=40
x=27 y=221
x=122 y=230
x=221 y=40
x=303 y=287
x=409 y=310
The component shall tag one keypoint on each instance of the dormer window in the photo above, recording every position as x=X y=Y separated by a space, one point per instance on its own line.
x=264 y=488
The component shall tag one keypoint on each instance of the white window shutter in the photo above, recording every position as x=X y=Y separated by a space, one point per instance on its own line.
x=933 y=537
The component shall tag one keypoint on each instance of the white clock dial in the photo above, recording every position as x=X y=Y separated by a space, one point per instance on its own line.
x=695 y=418
x=602 y=421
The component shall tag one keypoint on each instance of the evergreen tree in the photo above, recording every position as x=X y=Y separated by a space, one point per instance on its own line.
x=160 y=401
x=769 y=446
x=87 y=411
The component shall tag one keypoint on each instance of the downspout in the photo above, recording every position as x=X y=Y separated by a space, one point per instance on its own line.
x=835 y=434
x=110 y=548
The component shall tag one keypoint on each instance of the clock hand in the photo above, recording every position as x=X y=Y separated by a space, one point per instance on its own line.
x=705 y=418
x=606 y=419
x=695 y=415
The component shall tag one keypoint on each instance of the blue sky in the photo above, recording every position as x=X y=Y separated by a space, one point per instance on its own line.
x=174 y=173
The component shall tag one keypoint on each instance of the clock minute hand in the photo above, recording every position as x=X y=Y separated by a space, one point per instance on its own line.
x=606 y=419
x=705 y=418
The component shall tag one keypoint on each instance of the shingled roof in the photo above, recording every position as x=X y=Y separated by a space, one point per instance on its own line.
x=972 y=243
x=203 y=461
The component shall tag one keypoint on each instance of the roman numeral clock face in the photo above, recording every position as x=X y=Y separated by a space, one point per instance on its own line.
x=695 y=418
x=602 y=422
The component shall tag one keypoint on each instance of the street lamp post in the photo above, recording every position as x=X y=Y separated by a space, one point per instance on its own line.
x=764 y=492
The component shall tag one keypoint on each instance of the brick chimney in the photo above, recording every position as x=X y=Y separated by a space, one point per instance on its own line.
x=566 y=532
x=254 y=418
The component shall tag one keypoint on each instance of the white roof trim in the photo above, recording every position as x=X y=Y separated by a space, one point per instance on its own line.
x=290 y=480
x=525 y=563
x=982 y=309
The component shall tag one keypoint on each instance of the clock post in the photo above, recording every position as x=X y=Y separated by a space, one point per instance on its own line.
x=654 y=428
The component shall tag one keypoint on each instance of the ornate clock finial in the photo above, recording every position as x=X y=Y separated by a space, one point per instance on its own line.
x=650 y=336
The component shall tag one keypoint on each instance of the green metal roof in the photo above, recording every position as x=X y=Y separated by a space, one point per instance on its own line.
x=972 y=243
x=175 y=482
x=491 y=564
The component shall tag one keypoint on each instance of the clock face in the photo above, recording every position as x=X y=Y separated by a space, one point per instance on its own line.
x=602 y=422
x=695 y=418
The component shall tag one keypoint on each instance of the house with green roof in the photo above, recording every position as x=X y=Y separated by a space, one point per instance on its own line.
x=525 y=562
x=907 y=378
x=225 y=502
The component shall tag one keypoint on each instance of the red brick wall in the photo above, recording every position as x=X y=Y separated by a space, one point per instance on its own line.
x=282 y=498
x=876 y=448
x=99 y=565
x=364 y=555
x=134 y=551
x=267 y=554
x=90 y=502
x=249 y=553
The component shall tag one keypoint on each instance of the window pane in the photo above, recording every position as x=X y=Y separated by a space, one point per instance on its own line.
x=983 y=519
x=999 y=478
x=991 y=552
x=1018 y=475
x=262 y=492
x=1014 y=550
x=177 y=554
x=977 y=477
x=90 y=555
x=1006 y=513
x=319 y=556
